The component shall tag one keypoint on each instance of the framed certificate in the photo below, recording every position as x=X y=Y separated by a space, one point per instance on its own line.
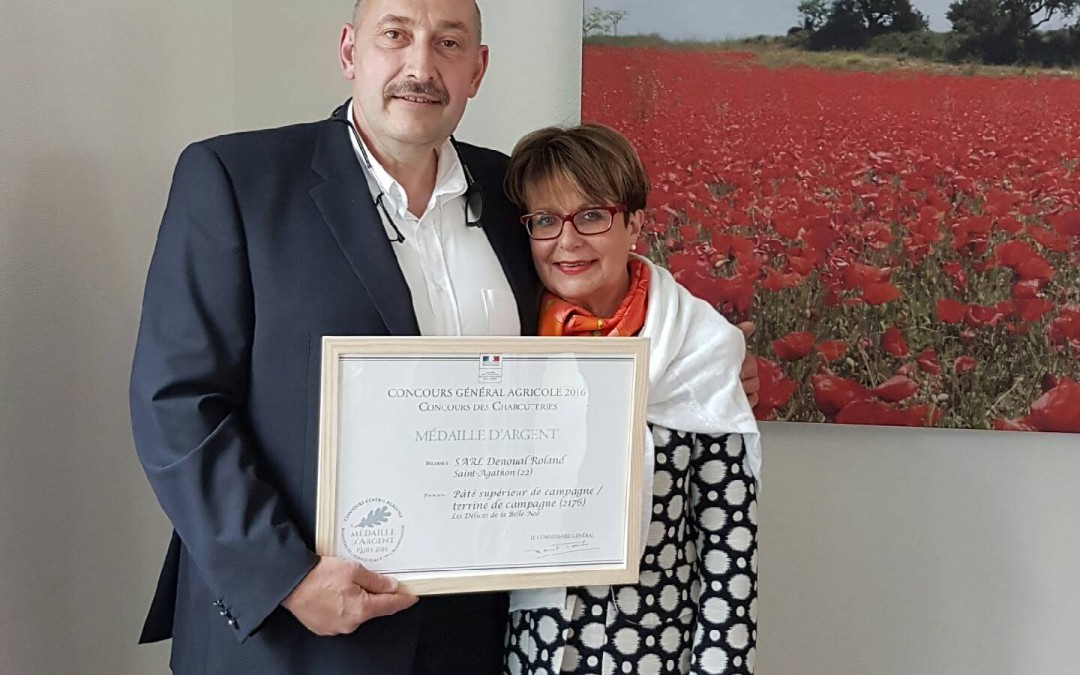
x=481 y=464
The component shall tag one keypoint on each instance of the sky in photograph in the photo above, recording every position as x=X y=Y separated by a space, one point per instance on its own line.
x=724 y=19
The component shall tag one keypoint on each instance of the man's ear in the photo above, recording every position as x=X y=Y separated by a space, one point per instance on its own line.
x=347 y=51
x=481 y=68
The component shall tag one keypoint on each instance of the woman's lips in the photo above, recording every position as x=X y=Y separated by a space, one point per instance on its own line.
x=574 y=268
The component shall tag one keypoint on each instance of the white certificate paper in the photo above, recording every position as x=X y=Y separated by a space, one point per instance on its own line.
x=458 y=464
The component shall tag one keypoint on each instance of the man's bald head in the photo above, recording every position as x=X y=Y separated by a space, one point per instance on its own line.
x=359 y=7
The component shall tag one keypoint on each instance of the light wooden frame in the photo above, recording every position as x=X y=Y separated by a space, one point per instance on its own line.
x=335 y=348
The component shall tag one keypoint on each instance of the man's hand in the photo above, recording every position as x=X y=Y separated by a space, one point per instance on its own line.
x=751 y=383
x=337 y=596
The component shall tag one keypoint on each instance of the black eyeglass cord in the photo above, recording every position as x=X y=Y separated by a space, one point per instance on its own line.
x=474 y=196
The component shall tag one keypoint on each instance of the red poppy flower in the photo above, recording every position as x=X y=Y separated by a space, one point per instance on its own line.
x=1012 y=254
x=1000 y=424
x=950 y=311
x=964 y=364
x=928 y=363
x=793 y=346
x=733 y=297
x=775 y=280
x=1026 y=290
x=832 y=350
x=868 y=412
x=1035 y=268
x=689 y=232
x=895 y=389
x=981 y=316
x=1066 y=327
x=1049 y=239
x=788 y=225
x=1009 y=225
x=733 y=246
x=803 y=265
x=858 y=274
x=880 y=292
x=833 y=393
x=1034 y=309
x=1057 y=409
x=776 y=389
x=1066 y=224
x=876 y=412
x=892 y=341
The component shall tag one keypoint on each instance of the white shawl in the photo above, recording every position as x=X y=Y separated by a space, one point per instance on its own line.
x=694 y=362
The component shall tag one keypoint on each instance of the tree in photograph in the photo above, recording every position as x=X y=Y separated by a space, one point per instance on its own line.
x=982 y=30
x=1037 y=13
x=813 y=14
x=850 y=24
x=602 y=21
x=890 y=16
x=844 y=29
x=995 y=31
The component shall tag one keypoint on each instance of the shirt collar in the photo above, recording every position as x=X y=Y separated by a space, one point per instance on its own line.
x=449 y=177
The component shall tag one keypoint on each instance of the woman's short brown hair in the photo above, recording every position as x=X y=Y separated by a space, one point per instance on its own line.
x=598 y=160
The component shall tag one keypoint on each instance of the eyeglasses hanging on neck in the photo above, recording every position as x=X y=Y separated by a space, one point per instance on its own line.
x=379 y=205
x=473 y=197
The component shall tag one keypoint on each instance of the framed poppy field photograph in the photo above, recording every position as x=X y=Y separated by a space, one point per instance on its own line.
x=888 y=189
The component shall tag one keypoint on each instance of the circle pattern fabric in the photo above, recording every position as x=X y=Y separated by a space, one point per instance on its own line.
x=694 y=608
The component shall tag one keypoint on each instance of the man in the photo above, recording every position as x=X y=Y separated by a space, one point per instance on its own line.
x=368 y=223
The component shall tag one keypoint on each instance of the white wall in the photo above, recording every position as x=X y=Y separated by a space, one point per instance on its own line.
x=882 y=551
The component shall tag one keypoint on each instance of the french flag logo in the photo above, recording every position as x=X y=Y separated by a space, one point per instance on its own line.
x=491 y=359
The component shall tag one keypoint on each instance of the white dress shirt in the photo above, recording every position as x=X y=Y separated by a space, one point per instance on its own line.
x=457 y=284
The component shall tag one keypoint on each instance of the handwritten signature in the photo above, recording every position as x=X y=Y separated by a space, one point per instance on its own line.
x=563 y=549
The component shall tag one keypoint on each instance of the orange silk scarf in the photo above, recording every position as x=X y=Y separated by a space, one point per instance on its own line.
x=559 y=317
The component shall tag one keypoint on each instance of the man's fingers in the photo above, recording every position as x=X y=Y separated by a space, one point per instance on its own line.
x=747 y=328
x=373 y=605
x=373 y=581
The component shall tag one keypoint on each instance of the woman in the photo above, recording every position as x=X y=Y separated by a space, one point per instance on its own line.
x=693 y=609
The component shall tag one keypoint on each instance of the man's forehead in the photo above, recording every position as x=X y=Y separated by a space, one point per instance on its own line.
x=463 y=14
x=406 y=20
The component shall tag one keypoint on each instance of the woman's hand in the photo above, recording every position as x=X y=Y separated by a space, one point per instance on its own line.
x=751 y=383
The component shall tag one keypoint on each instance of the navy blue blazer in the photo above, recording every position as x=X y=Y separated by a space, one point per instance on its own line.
x=270 y=241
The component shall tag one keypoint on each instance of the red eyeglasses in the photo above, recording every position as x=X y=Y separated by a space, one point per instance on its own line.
x=587 y=221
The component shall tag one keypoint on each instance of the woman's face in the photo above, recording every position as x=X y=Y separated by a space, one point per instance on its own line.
x=587 y=270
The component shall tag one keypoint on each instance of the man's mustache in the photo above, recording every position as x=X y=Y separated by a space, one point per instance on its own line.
x=428 y=90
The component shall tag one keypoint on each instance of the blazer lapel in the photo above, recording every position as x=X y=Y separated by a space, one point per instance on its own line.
x=518 y=267
x=347 y=208
x=507 y=237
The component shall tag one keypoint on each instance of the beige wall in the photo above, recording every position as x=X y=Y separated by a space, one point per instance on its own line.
x=299 y=79
x=895 y=551
x=882 y=551
x=96 y=100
